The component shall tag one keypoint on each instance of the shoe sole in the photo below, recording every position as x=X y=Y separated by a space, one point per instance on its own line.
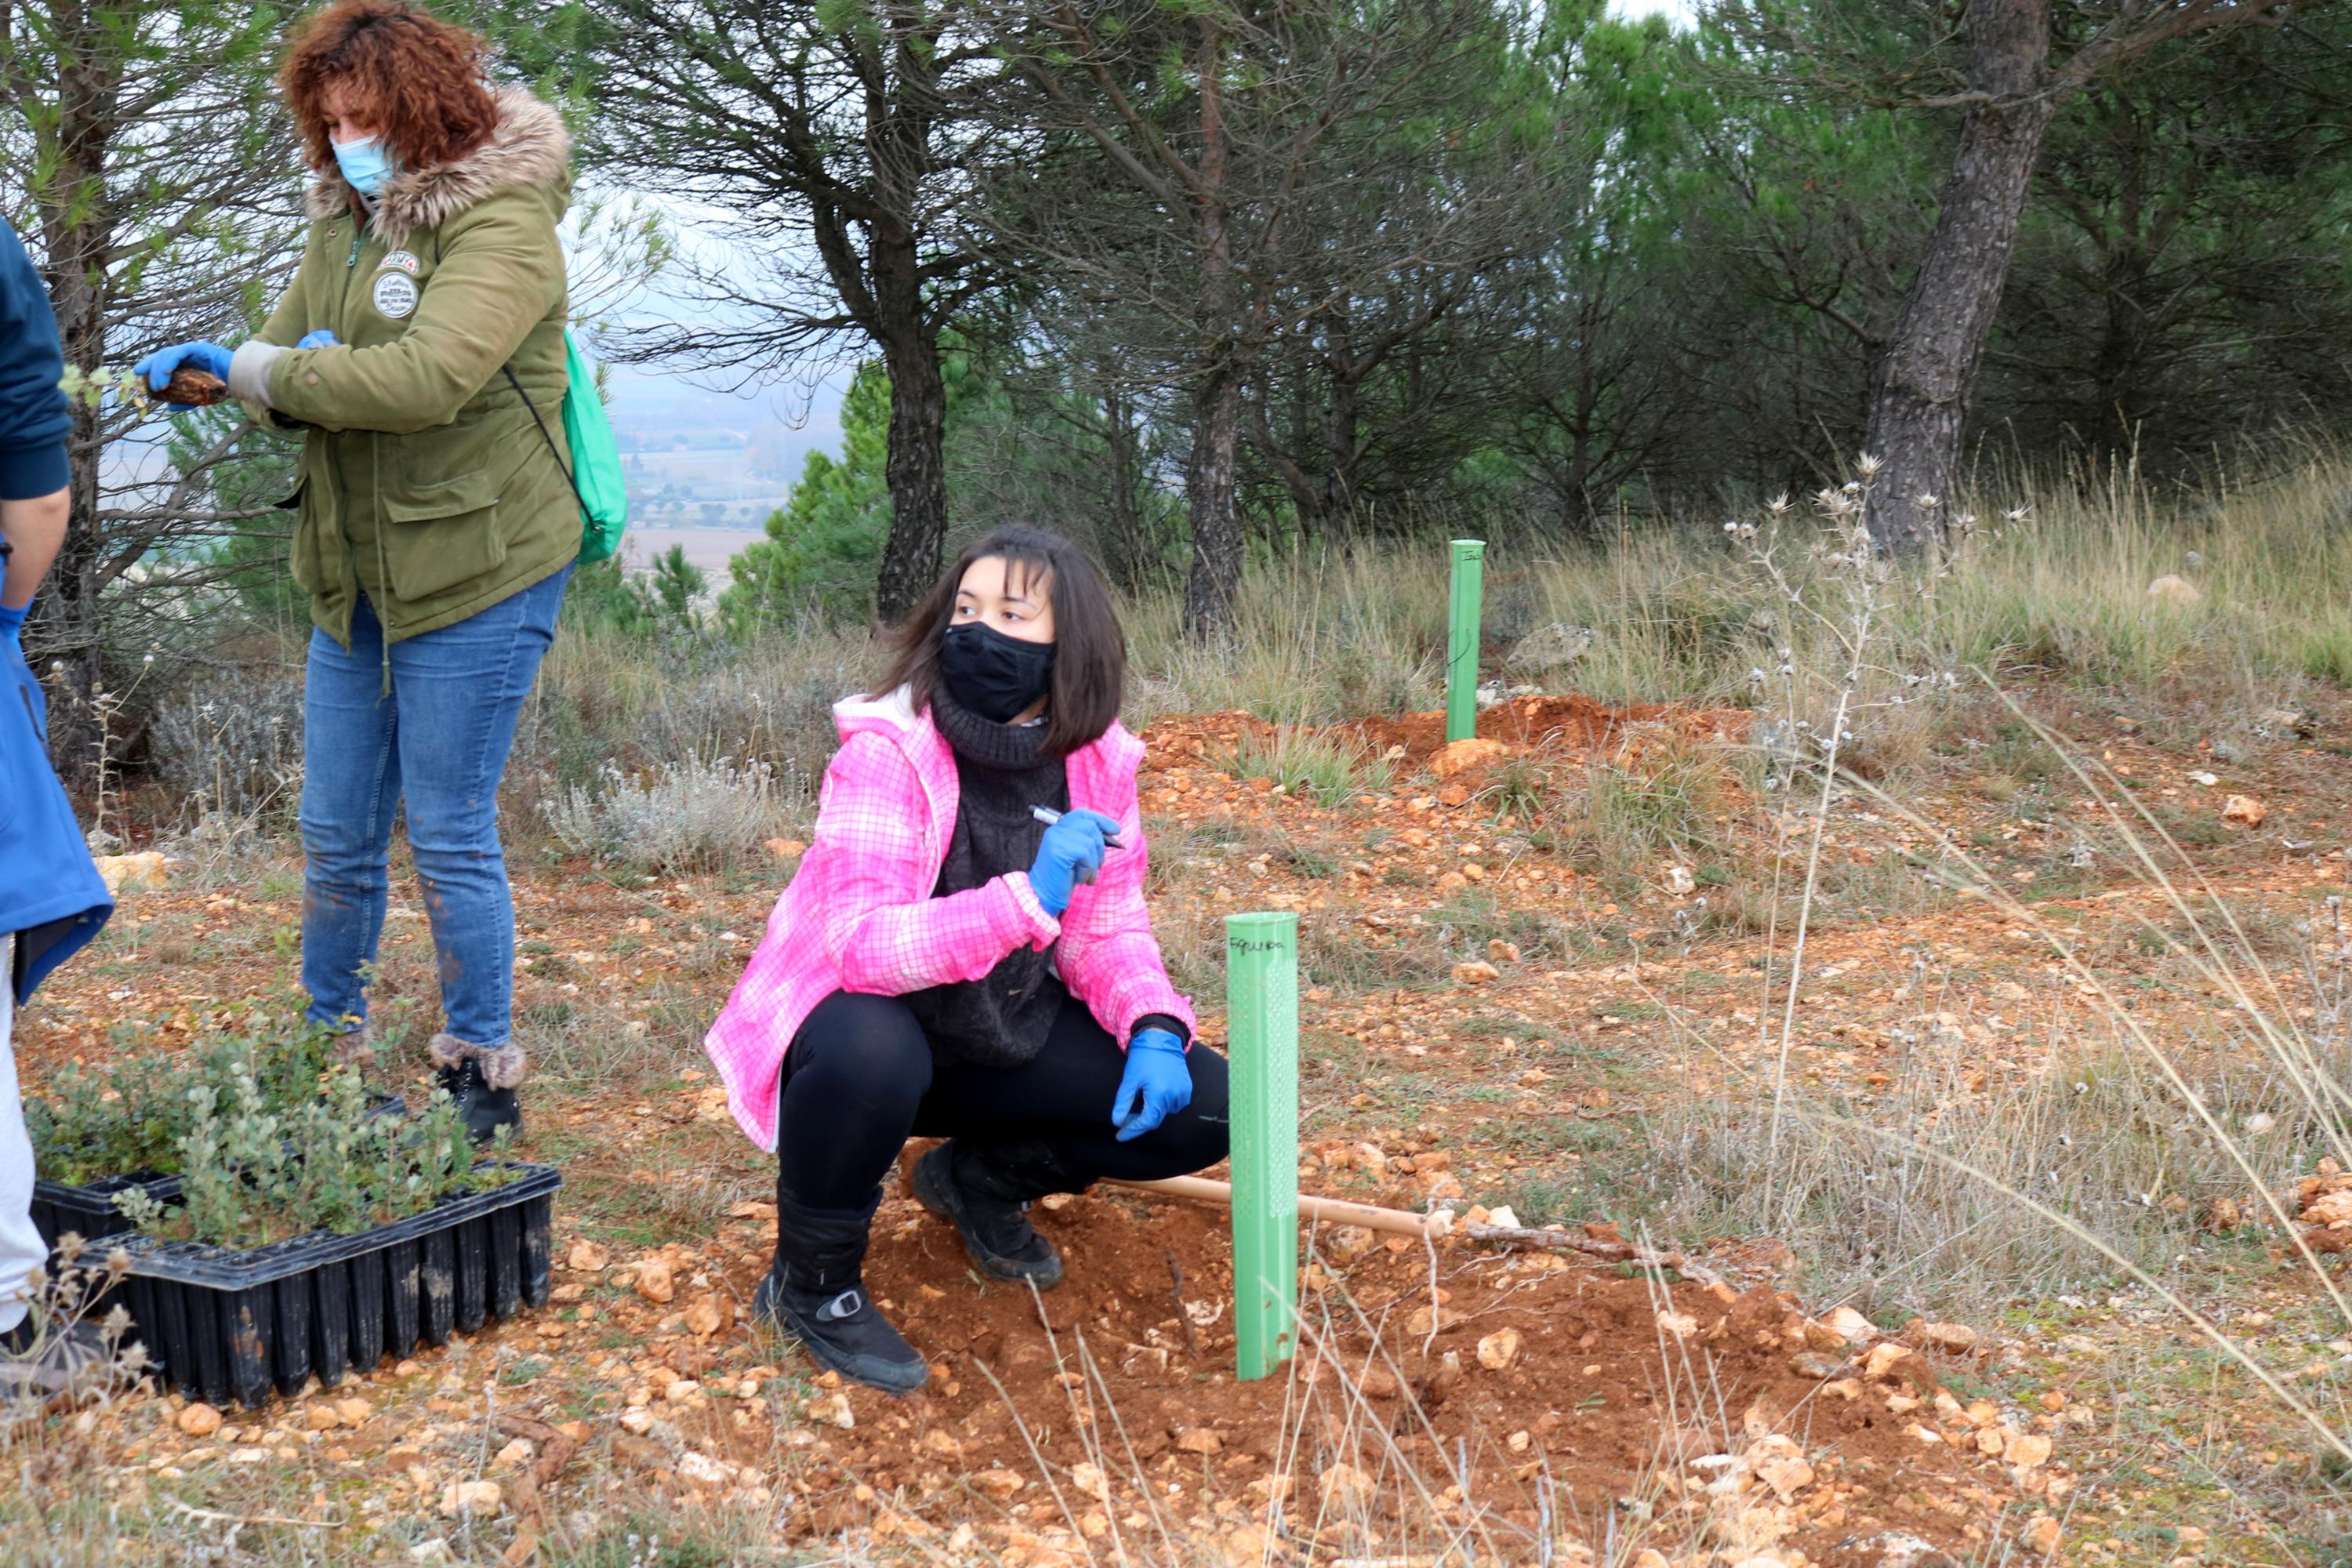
x=1010 y=1270
x=767 y=1310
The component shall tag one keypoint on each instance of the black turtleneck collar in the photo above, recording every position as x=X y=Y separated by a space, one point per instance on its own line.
x=1007 y=748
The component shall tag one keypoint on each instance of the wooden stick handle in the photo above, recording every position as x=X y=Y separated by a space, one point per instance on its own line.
x=1328 y=1210
x=1398 y=1222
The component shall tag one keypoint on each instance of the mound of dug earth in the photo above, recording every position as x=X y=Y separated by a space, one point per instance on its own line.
x=1504 y=1399
x=1567 y=723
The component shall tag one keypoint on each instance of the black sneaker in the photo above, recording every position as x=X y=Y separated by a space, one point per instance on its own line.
x=483 y=1110
x=841 y=1331
x=995 y=1231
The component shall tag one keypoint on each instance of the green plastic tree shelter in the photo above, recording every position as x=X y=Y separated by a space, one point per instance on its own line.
x=1462 y=639
x=1262 y=1028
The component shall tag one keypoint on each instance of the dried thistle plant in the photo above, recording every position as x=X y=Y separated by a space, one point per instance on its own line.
x=1837 y=584
x=78 y=1360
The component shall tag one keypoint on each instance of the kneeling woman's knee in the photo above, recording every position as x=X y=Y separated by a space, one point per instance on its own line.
x=1200 y=1134
x=1192 y=1142
x=863 y=1050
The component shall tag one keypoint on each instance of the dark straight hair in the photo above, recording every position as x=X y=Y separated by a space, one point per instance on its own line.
x=1089 y=649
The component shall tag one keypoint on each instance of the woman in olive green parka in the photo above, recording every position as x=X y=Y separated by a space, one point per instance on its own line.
x=420 y=350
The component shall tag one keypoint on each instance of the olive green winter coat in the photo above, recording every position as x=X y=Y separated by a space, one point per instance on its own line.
x=424 y=481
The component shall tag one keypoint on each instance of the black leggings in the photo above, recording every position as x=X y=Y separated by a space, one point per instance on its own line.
x=860 y=1080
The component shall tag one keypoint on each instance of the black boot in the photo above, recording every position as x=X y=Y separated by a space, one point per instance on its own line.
x=482 y=1081
x=985 y=1195
x=483 y=1110
x=814 y=1293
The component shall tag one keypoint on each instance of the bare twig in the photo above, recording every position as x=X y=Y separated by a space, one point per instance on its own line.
x=214 y=1516
x=1176 y=1273
x=555 y=1451
x=1614 y=1251
x=1436 y=1311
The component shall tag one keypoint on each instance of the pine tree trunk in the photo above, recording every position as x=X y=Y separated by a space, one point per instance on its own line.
x=1129 y=556
x=1211 y=479
x=1211 y=496
x=1342 y=420
x=1576 y=486
x=1921 y=384
x=1342 y=413
x=71 y=635
x=916 y=465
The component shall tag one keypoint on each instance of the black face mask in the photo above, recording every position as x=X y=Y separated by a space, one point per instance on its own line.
x=993 y=675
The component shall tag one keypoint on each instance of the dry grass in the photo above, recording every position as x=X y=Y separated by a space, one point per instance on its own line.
x=1683 y=616
x=1330 y=770
x=1968 y=1192
x=1881 y=1201
x=2103 y=1168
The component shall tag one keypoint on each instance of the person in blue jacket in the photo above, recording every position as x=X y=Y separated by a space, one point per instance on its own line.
x=51 y=899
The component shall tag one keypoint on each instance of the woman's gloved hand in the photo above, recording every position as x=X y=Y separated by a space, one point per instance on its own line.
x=1156 y=1072
x=1071 y=853
x=157 y=367
x=321 y=338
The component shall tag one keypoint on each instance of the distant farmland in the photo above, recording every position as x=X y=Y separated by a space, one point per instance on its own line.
x=709 y=548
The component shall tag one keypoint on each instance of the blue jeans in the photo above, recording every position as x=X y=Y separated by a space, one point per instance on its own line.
x=438 y=741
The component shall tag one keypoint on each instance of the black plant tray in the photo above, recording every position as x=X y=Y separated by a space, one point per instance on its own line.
x=232 y=1324
x=89 y=1210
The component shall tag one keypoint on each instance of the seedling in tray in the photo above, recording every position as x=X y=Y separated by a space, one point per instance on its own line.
x=254 y=1171
x=100 y=1132
x=235 y=1322
x=313 y=1241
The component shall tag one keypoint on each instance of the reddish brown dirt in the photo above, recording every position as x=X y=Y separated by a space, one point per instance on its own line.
x=1541 y=724
x=1598 y=1397
x=1557 y=723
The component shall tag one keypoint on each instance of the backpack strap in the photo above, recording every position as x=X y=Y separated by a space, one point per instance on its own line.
x=515 y=381
x=547 y=435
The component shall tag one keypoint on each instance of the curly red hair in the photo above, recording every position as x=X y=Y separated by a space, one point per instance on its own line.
x=415 y=77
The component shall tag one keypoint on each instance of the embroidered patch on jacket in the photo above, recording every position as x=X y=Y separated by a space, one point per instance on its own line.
x=396 y=294
x=404 y=260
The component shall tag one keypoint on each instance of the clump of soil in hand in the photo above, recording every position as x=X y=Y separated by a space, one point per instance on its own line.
x=194 y=389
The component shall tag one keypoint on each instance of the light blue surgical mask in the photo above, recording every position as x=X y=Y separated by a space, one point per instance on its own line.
x=364 y=164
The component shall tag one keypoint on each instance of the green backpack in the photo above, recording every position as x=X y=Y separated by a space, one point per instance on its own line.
x=595 y=471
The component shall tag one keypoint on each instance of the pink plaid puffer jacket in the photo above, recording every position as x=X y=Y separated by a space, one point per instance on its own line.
x=859 y=914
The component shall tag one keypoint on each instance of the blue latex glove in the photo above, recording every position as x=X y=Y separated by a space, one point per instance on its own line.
x=157 y=367
x=1155 y=1071
x=12 y=622
x=1071 y=853
x=322 y=339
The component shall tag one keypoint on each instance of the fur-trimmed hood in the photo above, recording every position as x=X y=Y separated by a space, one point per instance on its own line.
x=530 y=148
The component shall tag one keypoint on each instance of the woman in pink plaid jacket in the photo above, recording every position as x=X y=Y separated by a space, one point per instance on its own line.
x=964 y=953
